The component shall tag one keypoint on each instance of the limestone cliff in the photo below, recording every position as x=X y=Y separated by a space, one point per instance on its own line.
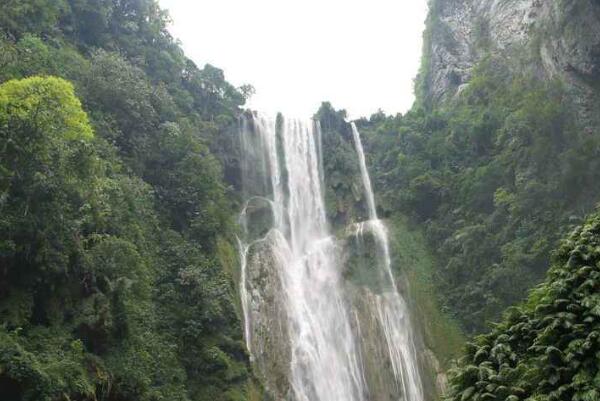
x=553 y=38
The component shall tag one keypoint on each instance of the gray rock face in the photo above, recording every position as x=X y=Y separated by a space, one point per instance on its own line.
x=574 y=42
x=562 y=36
x=269 y=332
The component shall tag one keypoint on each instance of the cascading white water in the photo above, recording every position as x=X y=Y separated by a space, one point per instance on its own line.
x=302 y=321
x=323 y=361
x=392 y=311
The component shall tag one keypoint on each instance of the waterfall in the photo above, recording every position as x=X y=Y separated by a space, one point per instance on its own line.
x=364 y=173
x=392 y=311
x=323 y=362
x=309 y=336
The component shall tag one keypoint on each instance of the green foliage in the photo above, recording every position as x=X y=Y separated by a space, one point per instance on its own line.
x=30 y=55
x=343 y=186
x=47 y=365
x=35 y=16
x=44 y=105
x=115 y=281
x=547 y=348
x=494 y=176
x=416 y=268
x=45 y=170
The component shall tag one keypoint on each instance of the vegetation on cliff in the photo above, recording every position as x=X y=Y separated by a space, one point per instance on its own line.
x=494 y=176
x=547 y=348
x=413 y=261
x=116 y=254
x=344 y=192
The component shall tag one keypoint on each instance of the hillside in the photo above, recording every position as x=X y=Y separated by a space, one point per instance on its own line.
x=499 y=156
x=117 y=247
x=547 y=348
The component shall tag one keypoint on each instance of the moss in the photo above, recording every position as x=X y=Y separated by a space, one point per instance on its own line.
x=415 y=263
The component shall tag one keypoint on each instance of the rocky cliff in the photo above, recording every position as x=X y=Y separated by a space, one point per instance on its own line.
x=554 y=39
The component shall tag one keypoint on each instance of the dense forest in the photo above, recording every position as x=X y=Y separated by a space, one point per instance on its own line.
x=494 y=179
x=119 y=187
x=497 y=173
x=116 y=227
x=547 y=348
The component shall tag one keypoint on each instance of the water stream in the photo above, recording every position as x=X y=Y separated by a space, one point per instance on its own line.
x=392 y=311
x=310 y=335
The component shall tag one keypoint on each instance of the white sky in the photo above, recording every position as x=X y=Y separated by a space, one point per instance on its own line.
x=361 y=55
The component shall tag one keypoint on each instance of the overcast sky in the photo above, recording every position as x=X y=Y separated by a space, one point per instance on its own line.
x=361 y=55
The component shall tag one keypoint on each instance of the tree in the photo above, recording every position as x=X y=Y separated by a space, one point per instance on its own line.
x=45 y=163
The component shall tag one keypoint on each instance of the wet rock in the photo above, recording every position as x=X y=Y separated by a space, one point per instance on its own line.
x=269 y=333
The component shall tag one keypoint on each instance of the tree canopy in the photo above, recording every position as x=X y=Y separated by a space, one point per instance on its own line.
x=116 y=234
x=547 y=348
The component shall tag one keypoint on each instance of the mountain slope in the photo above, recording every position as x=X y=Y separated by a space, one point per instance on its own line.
x=548 y=348
x=116 y=235
x=499 y=156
